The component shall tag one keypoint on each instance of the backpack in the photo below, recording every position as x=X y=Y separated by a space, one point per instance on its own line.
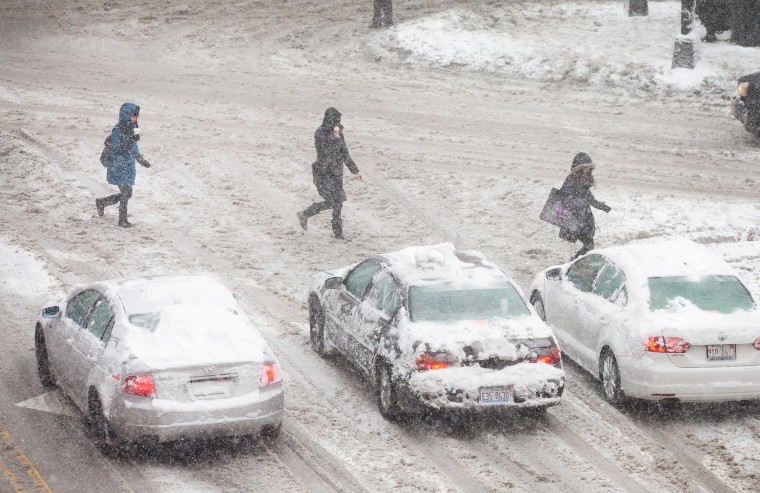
x=106 y=151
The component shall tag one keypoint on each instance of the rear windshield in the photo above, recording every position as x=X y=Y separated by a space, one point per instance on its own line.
x=724 y=294
x=445 y=303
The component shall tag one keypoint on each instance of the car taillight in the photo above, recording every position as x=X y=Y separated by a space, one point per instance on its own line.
x=742 y=89
x=757 y=343
x=659 y=344
x=434 y=361
x=549 y=355
x=269 y=374
x=139 y=385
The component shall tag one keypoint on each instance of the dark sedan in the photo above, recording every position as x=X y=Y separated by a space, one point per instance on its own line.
x=746 y=104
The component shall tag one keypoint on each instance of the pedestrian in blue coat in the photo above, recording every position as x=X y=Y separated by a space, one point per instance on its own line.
x=121 y=161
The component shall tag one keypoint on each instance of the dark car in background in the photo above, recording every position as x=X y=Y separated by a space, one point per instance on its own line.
x=746 y=104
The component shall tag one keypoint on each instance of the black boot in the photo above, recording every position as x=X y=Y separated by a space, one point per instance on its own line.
x=302 y=219
x=100 y=206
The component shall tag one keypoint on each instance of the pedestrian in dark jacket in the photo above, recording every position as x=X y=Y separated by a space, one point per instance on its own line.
x=579 y=199
x=121 y=162
x=383 y=9
x=327 y=171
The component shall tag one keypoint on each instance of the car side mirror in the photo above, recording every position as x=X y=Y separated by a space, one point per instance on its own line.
x=554 y=274
x=333 y=283
x=51 y=311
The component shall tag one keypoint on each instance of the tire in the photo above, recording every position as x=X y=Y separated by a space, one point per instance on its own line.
x=609 y=373
x=317 y=328
x=386 y=394
x=538 y=305
x=270 y=433
x=100 y=428
x=44 y=368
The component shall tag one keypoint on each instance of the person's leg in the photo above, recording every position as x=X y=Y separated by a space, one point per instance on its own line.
x=312 y=210
x=376 y=17
x=337 y=222
x=102 y=203
x=388 y=11
x=588 y=245
x=125 y=195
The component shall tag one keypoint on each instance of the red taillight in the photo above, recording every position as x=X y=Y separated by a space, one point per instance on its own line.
x=139 y=385
x=659 y=344
x=549 y=355
x=269 y=374
x=432 y=361
x=757 y=343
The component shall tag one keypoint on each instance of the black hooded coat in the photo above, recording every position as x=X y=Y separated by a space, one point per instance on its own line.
x=332 y=153
x=580 y=200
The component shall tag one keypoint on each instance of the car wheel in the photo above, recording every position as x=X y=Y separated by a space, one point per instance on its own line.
x=270 y=432
x=610 y=375
x=44 y=368
x=317 y=328
x=538 y=305
x=100 y=428
x=386 y=394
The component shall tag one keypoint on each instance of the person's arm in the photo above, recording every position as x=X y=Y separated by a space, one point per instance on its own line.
x=349 y=162
x=597 y=204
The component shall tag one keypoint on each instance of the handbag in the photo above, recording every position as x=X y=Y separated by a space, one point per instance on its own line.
x=557 y=212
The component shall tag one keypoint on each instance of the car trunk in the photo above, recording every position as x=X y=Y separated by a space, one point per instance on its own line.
x=715 y=346
x=208 y=382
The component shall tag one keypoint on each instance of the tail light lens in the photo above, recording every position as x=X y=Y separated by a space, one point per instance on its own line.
x=139 y=385
x=434 y=361
x=757 y=343
x=742 y=89
x=659 y=344
x=549 y=355
x=269 y=374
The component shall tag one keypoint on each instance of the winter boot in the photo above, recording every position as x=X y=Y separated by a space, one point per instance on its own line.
x=302 y=218
x=100 y=206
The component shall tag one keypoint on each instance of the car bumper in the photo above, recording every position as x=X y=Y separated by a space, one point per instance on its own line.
x=660 y=379
x=750 y=119
x=149 y=419
x=460 y=388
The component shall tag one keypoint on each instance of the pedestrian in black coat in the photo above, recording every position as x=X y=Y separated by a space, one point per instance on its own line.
x=580 y=200
x=327 y=171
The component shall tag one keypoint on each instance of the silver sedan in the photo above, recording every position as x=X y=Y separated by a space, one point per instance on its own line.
x=159 y=359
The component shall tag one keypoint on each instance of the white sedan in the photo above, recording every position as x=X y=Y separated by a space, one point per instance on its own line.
x=664 y=321
x=158 y=359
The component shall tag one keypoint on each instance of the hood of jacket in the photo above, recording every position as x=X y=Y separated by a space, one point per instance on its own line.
x=332 y=118
x=125 y=113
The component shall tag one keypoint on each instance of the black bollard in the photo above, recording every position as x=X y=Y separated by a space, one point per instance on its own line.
x=636 y=7
x=683 y=53
x=687 y=15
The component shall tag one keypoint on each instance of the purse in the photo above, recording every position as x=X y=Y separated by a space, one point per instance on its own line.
x=557 y=212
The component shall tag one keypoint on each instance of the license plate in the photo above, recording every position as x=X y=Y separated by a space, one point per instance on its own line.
x=495 y=395
x=721 y=352
x=210 y=389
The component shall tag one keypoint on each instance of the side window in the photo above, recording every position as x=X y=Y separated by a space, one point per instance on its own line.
x=358 y=279
x=101 y=319
x=384 y=294
x=609 y=283
x=80 y=305
x=583 y=272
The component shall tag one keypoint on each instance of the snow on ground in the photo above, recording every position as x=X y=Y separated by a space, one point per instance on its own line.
x=461 y=117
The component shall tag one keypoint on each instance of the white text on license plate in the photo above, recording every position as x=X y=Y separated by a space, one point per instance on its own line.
x=721 y=352
x=495 y=395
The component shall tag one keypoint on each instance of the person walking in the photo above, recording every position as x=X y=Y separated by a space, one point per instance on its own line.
x=327 y=171
x=383 y=7
x=576 y=191
x=121 y=162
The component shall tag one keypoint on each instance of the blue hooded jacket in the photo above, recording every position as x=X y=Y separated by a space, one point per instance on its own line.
x=124 y=150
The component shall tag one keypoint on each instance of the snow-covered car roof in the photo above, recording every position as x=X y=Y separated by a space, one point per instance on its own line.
x=671 y=258
x=433 y=264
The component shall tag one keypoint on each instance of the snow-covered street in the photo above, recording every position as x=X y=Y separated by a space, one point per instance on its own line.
x=461 y=117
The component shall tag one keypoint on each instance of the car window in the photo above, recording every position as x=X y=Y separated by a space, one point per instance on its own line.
x=384 y=294
x=724 y=294
x=609 y=282
x=102 y=317
x=358 y=279
x=80 y=305
x=449 y=303
x=583 y=272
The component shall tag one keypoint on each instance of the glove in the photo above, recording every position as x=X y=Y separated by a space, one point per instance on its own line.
x=135 y=138
x=143 y=161
x=606 y=208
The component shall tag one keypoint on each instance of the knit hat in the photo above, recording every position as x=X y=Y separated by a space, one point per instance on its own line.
x=581 y=161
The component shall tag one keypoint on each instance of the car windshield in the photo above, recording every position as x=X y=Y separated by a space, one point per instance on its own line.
x=447 y=303
x=724 y=294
